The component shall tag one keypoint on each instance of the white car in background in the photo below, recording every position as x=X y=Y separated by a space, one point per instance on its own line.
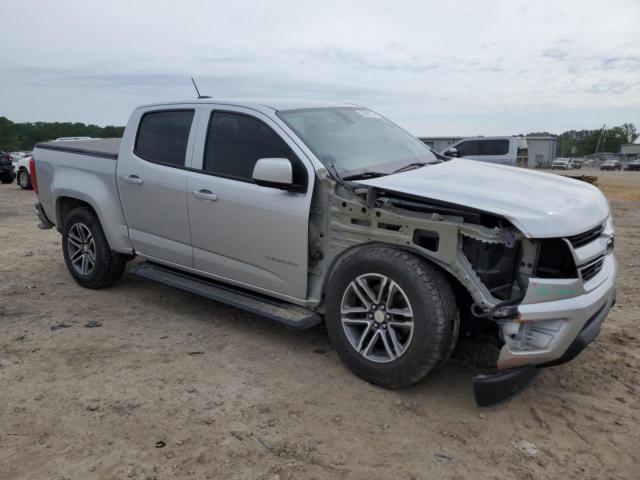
x=22 y=164
x=561 y=163
x=71 y=139
x=23 y=175
x=16 y=157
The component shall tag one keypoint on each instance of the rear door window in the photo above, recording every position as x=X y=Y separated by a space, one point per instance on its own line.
x=163 y=136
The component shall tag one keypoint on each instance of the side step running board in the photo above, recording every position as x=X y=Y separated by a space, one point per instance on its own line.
x=293 y=316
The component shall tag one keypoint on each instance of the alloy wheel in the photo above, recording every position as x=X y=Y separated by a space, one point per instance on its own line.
x=82 y=248
x=377 y=318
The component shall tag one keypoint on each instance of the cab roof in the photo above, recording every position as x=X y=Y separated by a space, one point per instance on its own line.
x=261 y=104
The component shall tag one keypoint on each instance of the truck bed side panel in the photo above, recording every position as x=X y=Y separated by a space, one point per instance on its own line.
x=89 y=178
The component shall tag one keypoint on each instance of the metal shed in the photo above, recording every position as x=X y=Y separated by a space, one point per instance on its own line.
x=542 y=151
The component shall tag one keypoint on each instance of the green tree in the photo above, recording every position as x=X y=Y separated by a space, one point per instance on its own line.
x=26 y=135
x=8 y=135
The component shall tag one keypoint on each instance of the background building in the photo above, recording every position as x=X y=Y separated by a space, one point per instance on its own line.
x=542 y=151
x=630 y=151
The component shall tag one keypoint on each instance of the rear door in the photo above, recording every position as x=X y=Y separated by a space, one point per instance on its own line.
x=250 y=235
x=152 y=182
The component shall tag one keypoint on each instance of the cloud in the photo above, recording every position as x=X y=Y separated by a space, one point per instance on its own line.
x=458 y=67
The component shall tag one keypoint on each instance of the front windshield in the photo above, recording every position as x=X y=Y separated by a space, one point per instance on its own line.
x=356 y=140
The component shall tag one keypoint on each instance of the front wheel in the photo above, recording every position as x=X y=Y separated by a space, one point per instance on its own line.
x=391 y=316
x=24 y=179
x=89 y=258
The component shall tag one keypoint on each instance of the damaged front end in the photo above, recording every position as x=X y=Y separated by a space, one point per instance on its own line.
x=498 y=270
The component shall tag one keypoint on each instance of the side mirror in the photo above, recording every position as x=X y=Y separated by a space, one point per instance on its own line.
x=452 y=152
x=273 y=172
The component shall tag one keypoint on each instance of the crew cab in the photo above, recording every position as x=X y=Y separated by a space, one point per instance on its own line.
x=309 y=212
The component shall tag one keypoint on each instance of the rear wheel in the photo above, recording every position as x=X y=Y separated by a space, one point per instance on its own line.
x=87 y=254
x=24 y=179
x=391 y=316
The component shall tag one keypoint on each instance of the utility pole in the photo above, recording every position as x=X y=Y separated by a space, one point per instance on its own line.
x=600 y=138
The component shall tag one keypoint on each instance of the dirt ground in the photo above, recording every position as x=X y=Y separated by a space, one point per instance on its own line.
x=176 y=386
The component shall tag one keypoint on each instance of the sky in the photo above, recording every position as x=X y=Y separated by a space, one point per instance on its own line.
x=454 y=68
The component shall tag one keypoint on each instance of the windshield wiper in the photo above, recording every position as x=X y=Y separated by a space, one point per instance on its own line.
x=410 y=166
x=364 y=175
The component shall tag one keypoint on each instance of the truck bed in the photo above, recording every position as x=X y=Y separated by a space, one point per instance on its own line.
x=98 y=147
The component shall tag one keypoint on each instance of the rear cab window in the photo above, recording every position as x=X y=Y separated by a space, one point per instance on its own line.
x=163 y=136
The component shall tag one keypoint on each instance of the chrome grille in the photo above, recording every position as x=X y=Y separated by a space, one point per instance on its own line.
x=591 y=270
x=586 y=237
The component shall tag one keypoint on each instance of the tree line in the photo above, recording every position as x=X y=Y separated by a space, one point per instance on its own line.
x=574 y=143
x=23 y=136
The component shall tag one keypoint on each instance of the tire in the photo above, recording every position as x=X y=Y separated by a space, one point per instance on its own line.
x=425 y=345
x=24 y=179
x=7 y=177
x=104 y=267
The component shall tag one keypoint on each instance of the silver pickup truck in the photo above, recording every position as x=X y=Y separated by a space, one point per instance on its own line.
x=308 y=212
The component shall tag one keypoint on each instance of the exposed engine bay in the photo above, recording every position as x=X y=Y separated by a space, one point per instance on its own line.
x=484 y=253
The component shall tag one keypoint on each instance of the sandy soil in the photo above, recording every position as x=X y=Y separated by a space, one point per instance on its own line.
x=175 y=386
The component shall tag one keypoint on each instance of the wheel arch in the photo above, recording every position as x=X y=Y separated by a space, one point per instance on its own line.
x=109 y=216
x=65 y=204
x=461 y=292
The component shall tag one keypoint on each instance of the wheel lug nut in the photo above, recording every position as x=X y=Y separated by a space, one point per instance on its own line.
x=374 y=307
x=381 y=307
x=371 y=315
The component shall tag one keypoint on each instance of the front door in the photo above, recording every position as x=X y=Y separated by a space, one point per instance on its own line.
x=252 y=235
x=152 y=183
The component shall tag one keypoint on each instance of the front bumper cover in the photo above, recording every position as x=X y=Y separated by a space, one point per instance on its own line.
x=581 y=319
x=490 y=390
x=554 y=325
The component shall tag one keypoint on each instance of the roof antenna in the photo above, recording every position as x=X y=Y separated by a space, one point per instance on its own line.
x=198 y=91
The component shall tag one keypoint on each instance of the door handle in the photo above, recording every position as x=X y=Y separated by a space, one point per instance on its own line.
x=135 y=179
x=205 y=195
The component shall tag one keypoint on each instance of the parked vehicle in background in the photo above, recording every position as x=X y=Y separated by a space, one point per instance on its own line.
x=634 y=165
x=15 y=156
x=303 y=212
x=561 y=163
x=22 y=173
x=501 y=150
x=576 y=163
x=611 y=165
x=71 y=139
x=6 y=168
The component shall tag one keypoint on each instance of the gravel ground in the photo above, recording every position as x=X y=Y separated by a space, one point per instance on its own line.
x=175 y=386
